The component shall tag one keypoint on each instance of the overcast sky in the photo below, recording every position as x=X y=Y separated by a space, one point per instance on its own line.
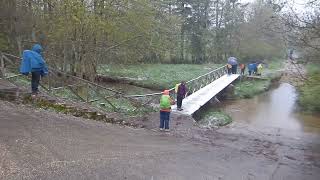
x=297 y=5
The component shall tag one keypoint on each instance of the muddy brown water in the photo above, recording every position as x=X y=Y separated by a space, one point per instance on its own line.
x=276 y=108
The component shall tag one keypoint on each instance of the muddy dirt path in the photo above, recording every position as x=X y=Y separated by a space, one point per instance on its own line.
x=38 y=144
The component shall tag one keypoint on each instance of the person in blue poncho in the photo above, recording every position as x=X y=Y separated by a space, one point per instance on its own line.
x=33 y=62
x=252 y=68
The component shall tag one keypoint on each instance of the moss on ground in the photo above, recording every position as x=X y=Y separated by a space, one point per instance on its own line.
x=66 y=109
x=214 y=119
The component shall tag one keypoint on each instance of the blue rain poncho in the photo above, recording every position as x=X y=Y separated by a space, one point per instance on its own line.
x=32 y=61
x=252 y=67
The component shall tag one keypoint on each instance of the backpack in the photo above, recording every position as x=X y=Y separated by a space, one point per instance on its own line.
x=177 y=87
x=165 y=102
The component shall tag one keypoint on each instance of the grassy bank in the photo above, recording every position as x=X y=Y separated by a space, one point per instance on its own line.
x=161 y=76
x=156 y=76
x=248 y=88
x=310 y=91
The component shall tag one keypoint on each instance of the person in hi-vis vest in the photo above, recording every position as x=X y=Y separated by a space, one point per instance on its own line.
x=165 y=108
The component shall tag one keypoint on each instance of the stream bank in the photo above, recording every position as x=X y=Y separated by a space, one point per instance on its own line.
x=212 y=115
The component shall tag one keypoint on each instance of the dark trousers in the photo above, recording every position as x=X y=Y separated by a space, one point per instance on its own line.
x=164 y=119
x=179 y=101
x=250 y=72
x=229 y=71
x=242 y=71
x=35 y=81
x=234 y=69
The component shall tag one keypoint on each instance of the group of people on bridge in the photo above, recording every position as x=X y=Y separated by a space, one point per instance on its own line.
x=254 y=67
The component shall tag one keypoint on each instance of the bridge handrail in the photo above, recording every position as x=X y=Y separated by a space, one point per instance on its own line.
x=69 y=75
x=206 y=74
x=92 y=83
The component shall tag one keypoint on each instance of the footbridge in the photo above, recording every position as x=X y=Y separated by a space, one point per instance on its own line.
x=196 y=100
x=203 y=88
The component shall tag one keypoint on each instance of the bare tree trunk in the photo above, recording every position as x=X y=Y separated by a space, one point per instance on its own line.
x=65 y=56
x=217 y=38
x=182 y=44
x=2 y=67
x=33 y=34
x=19 y=44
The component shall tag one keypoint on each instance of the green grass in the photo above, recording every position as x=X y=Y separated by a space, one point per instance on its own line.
x=65 y=93
x=21 y=81
x=248 y=89
x=122 y=105
x=157 y=76
x=161 y=76
x=310 y=92
x=313 y=68
x=275 y=65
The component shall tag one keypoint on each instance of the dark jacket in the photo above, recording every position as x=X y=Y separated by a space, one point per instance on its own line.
x=182 y=90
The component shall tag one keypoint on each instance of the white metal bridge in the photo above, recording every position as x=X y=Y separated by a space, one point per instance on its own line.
x=199 y=98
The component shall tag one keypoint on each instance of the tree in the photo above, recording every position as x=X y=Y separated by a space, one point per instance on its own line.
x=80 y=35
x=303 y=31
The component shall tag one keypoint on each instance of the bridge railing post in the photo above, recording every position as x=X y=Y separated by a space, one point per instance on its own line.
x=49 y=81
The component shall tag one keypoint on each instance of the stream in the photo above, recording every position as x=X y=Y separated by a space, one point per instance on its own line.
x=276 y=108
